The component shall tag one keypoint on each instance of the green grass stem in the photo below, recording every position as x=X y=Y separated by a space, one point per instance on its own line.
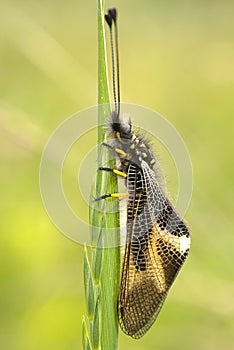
x=102 y=263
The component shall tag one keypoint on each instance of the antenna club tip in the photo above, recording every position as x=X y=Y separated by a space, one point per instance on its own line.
x=113 y=13
x=108 y=19
x=111 y=16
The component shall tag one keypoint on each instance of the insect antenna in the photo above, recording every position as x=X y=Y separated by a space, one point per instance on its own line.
x=111 y=17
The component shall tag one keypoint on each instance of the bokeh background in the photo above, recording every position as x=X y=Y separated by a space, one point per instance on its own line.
x=177 y=58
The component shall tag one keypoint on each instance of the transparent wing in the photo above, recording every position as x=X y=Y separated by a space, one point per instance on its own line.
x=154 y=252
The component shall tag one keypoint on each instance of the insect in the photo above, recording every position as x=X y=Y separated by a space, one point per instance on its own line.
x=158 y=240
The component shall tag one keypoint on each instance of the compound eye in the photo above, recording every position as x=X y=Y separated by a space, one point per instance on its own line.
x=126 y=128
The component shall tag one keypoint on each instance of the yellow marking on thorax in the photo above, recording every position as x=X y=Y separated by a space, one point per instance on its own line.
x=119 y=138
x=120 y=151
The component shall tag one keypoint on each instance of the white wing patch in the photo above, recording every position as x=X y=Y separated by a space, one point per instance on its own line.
x=184 y=243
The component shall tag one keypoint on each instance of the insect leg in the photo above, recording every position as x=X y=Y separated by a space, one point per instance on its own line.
x=111 y=195
x=119 y=151
x=107 y=145
x=115 y=171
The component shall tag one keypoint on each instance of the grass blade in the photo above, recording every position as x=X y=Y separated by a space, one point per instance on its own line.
x=102 y=274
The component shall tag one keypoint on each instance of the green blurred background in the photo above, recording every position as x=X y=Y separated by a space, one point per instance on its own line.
x=177 y=57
